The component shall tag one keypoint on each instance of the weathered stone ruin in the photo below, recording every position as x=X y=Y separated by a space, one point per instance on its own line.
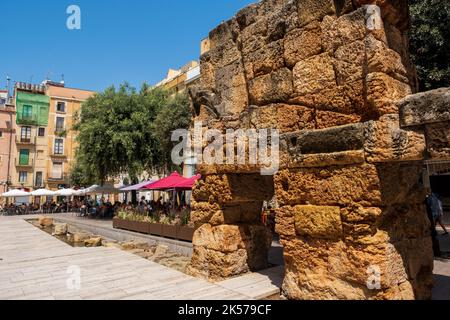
x=329 y=76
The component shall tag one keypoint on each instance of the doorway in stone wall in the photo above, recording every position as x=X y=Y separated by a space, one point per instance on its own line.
x=439 y=179
x=269 y=212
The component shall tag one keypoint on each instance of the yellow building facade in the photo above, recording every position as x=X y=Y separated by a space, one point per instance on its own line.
x=61 y=143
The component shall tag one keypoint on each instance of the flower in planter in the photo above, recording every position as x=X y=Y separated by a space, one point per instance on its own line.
x=164 y=219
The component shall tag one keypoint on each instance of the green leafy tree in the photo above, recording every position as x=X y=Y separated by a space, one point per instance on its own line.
x=128 y=132
x=115 y=134
x=174 y=115
x=430 y=36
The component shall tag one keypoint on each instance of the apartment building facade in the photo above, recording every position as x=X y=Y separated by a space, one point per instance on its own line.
x=44 y=145
x=61 y=145
x=179 y=80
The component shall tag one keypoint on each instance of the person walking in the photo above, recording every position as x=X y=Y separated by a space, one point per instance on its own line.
x=434 y=234
x=440 y=216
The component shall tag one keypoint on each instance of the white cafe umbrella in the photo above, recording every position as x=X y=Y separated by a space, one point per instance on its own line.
x=15 y=194
x=79 y=193
x=43 y=193
x=65 y=192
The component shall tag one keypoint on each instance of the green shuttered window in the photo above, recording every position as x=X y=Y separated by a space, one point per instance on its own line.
x=24 y=157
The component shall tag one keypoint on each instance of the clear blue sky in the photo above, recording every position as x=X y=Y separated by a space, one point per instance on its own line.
x=120 y=40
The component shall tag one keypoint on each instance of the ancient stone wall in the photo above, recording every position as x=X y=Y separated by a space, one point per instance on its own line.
x=328 y=75
x=429 y=112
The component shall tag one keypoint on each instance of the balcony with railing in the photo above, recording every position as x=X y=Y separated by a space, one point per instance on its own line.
x=60 y=180
x=24 y=119
x=25 y=140
x=60 y=132
x=24 y=163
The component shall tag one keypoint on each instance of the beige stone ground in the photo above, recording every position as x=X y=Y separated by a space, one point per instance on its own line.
x=35 y=265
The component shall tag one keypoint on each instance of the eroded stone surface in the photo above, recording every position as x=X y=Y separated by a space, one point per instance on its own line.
x=328 y=75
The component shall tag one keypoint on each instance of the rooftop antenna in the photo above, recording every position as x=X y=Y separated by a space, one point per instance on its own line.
x=62 y=79
x=31 y=79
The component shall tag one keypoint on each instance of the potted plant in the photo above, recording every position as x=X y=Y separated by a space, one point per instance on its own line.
x=120 y=221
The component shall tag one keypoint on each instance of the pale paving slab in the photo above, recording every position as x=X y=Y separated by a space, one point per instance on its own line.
x=34 y=265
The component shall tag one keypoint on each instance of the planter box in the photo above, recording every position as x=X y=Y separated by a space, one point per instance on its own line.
x=116 y=223
x=136 y=226
x=121 y=224
x=169 y=231
x=141 y=227
x=155 y=229
x=185 y=233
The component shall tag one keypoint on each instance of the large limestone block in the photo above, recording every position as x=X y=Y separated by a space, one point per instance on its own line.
x=285 y=222
x=225 y=32
x=45 y=221
x=247 y=16
x=253 y=38
x=349 y=62
x=271 y=88
x=370 y=226
x=337 y=31
x=318 y=222
x=380 y=58
x=300 y=44
x=217 y=58
x=365 y=185
x=418 y=259
x=232 y=188
x=324 y=270
x=230 y=82
x=425 y=108
x=316 y=86
x=384 y=92
x=314 y=75
x=93 y=242
x=283 y=16
x=215 y=265
x=310 y=10
x=79 y=237
x=438 y=140
x=328 y=186
x=223 y=238
x=320 y=160
x=229 y=250
x=265 y=60
x=401 y=183
x=385 y=141
x=405 y=221
x=336 y=139
x=60 y=229
x=283 y=117
x=328 y=119
x=214 y=214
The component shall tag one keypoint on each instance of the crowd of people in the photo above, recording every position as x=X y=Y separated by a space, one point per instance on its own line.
x=93 y=208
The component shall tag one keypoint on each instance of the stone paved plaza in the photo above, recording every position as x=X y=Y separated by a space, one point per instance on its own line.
x=35 y=265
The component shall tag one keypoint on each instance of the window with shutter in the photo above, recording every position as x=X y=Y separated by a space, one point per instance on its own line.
x=24 y=157
x=57 y=170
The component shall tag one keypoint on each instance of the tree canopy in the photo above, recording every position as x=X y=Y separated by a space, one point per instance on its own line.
x=125 y=131
x=430 y=36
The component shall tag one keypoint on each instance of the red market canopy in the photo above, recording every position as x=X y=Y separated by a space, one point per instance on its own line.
x=188 y=184
x=167 y=183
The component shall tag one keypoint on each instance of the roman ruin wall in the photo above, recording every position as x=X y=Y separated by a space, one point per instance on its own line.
x=329 y=76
